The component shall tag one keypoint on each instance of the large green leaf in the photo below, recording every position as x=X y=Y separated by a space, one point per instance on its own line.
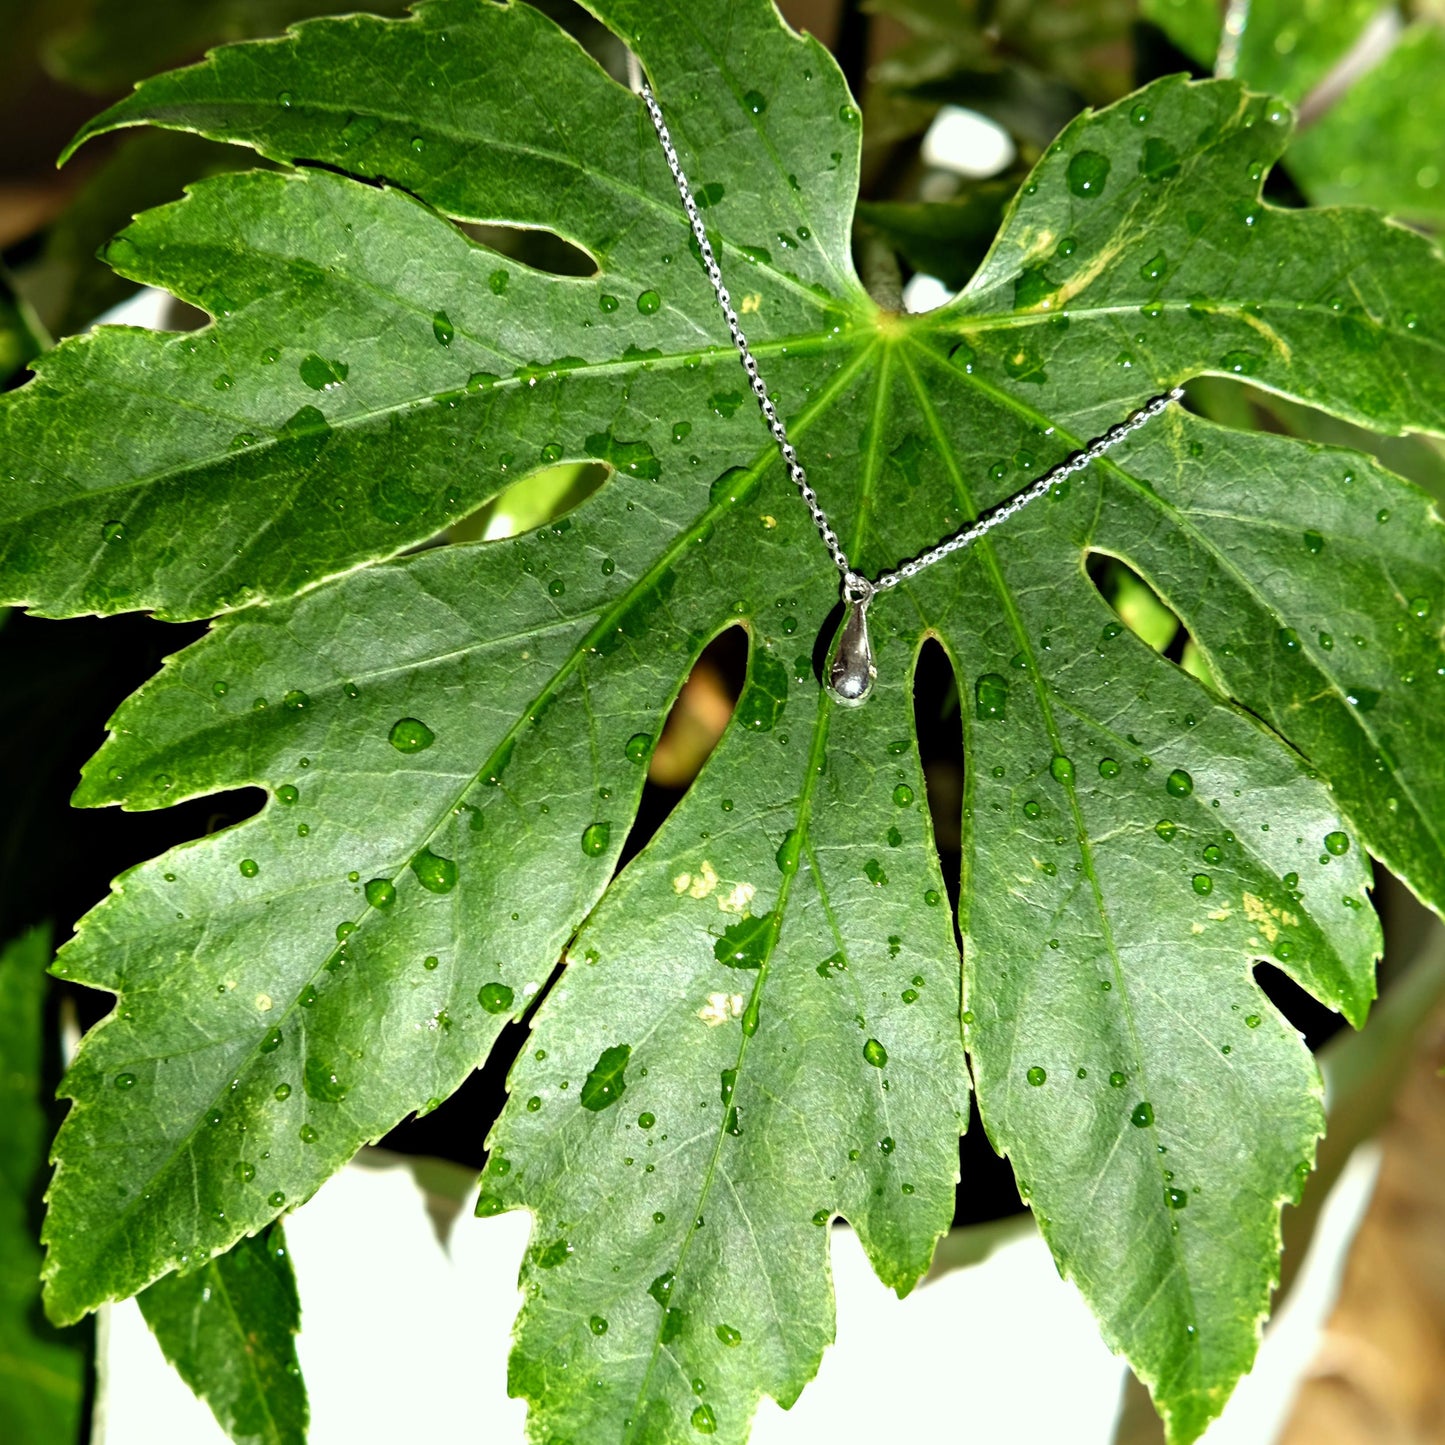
x=453 y=742
x=229 y=1328
x=42 y=1370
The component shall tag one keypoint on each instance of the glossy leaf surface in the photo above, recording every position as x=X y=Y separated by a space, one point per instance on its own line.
x=758 y=1023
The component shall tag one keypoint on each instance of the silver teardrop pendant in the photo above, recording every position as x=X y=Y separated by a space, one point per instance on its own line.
x=851 y=673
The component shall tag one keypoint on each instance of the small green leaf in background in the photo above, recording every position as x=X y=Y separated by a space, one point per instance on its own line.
x=42 y=1370
x=1383 y=143
x=757 y=1027
x=946 y=239
x=103 y=44
x=22 y=337
x=1281 y=46
x=229 y=1328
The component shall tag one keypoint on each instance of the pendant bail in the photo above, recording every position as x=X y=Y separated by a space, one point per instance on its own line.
x=851 y=673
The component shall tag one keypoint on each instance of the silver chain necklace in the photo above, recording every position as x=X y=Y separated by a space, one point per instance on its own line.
x=850 y=670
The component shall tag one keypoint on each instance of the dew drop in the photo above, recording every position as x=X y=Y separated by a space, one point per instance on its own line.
x=249 y=867
x=595 y=838
x=380 y=893
x=442 y=328
x=411 y=736
x=649 y=302
x=1088 y=171
x=1241 y=363
x=1143 y=1115
x=875 y=1053
x=495 y=997
x=1179 y=784
x=1062 y=769
x=321 y=1082
x=990 y=694
x=1337 y=843
x=435 y=873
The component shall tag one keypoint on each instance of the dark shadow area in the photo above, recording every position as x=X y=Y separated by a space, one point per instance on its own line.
x=62 y=681
x=1316 y=1022
x=939 y=725
x=539 y=249
x=986 y=1188
x=457 y=1128
x=692 y=730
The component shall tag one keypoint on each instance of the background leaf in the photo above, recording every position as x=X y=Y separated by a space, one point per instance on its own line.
x=1379 y=145
x=42 y=1370
x=108 y=43
x=229 y=1328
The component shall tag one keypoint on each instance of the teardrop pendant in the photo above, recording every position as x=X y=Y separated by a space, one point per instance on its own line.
x=851 y=673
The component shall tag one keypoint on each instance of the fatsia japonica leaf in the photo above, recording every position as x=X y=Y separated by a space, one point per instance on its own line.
x=757 y=1025
x=229 y=1328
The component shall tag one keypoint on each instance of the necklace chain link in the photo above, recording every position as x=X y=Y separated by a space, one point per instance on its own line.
x=857 y=587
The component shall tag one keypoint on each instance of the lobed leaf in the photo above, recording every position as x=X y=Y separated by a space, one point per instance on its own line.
x=453 y=741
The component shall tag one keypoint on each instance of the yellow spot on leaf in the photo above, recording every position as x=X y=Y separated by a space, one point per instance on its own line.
x=1265 y=917
x=719 y=1008
x=739 y=900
